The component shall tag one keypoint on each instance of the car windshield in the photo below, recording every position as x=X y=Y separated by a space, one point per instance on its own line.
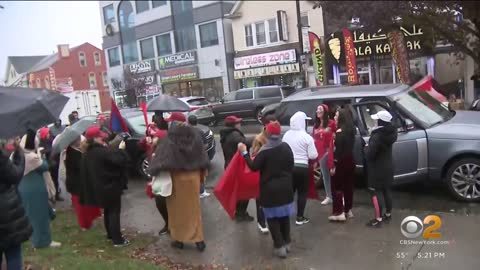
x=137 y=123
x=422 y=106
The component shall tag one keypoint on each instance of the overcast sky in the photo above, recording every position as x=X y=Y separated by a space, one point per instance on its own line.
x=37 y=27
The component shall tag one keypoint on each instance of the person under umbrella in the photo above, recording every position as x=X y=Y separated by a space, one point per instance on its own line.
x=275 y=162
x=16 y=228
x=34 y=194
x=46 y=141
x=57 y=128
x=182 y=155
x=103 y=180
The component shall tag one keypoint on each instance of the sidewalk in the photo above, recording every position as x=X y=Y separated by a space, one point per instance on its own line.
x=317 y=245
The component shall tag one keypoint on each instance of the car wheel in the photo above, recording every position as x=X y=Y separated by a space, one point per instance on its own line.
x=143 y=167
x=463 y=179
x=258 y=114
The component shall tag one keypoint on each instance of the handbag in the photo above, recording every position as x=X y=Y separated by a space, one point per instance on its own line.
x=162 y=184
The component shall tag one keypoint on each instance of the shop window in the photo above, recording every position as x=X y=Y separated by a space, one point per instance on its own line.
x=92 y=80
x=164 y=44
x=127 y=32
x=97 y=59
x=418 y=68
x=39 y=83
x=113 y=57
x=260 y=33
x=47 y=82
x=158 y=3
x=108 y=14
x=82 y=59
x=208 y=34
x=146 y=48
x=105 y=79
x=248 y=35
x=244 y=95
x=142 y=6
x=273 y=31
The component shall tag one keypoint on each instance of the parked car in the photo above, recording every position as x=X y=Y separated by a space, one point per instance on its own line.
x=201 y=108
x=137 y=130
x=475 y=106
x=433 y=143
x=249 y=102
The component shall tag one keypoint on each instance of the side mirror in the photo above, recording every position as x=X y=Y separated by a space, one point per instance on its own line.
x=409 y=125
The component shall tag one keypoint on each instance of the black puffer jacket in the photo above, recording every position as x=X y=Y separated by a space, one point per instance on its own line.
x=229 y=138
x=14 y=225
x=378 y=155
x=73 y=166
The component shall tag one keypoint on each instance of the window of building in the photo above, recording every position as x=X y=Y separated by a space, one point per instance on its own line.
x=248 y=35
x=273 y=31
x=108 y=14
x=146 y=48
x=164 y=44
x=158 y=3
x=185 y=39
x=304 y=19
x=105 y=79
x=92 y=80
x=47 y=82
x=142 y=5
x=127 y=32
x=208 y=34
x=39 y=83
x=97 y=59
x=82 y=59
x=181 y=6
x=113 y=57
x=260 y=33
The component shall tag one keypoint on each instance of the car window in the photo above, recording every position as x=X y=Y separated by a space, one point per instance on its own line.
x=287 y=109
x=197 y=102
x=137 y=123
x=229 y=97
x=268 y=92
x=288 y=90
x=244 y=95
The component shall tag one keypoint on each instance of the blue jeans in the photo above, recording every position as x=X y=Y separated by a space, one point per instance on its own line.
x=326 y=175
x=14 y=257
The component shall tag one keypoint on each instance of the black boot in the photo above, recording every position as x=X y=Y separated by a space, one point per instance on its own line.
x=177 y=244
x=201 y=246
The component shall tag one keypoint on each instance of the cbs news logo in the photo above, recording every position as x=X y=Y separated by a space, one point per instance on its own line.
x=413 y=227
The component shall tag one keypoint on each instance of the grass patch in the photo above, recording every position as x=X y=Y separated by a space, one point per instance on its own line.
x=86 y=250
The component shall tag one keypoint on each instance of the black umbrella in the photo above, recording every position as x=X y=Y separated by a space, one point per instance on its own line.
x=27 y=108
x=164 y=103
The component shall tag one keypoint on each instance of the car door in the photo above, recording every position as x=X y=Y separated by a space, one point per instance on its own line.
x=410 y=154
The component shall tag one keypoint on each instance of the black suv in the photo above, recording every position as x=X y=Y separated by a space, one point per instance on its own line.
x=249 y=102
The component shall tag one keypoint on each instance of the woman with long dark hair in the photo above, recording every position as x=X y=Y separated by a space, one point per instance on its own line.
x=344 y=168
x=323 y=137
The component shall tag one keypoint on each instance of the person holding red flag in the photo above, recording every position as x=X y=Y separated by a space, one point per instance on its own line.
x=276 y=164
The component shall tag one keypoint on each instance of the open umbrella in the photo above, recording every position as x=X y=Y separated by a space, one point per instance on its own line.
x=164 y=103
x=71 y=133
x=27 y=108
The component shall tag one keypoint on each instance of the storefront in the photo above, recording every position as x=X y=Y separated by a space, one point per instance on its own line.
x=373 y=56
x=180 y=77
x=274 y=68
x=142 y=76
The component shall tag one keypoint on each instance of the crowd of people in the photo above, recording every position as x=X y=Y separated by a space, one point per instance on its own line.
x=96 y=176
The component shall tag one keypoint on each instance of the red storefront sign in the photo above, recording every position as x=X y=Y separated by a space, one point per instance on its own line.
x=317 y=56
x=350 y=61
x=400 y=55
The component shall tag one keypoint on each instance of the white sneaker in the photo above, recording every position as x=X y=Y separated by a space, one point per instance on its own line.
x=54 y=244
x=205 y=194
x=263 y=230
x=350 y=214
x=327 y=201
x=340 y=217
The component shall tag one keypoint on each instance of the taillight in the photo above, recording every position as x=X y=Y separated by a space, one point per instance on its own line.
x=193 y=108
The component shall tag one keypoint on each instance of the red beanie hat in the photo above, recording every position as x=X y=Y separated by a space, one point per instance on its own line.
x=273 y=128
x=44 y=133
x=326 y=108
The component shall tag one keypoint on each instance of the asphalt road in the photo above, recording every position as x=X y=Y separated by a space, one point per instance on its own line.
x=321 y=244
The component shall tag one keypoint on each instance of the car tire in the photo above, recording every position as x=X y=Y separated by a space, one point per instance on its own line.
x=258 y=115
x=142 y=167
x=463 y=179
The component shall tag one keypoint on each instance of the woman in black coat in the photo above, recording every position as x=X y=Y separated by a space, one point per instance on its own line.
x=104 y=178
x=378 y=154
x=14 y=224
x=275 y=163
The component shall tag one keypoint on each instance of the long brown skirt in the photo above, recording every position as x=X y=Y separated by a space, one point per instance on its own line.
x=184 y=212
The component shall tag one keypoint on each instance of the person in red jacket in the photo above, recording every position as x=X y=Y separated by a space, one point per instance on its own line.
x=323 y=137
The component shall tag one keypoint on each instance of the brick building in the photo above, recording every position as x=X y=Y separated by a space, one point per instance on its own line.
x=73 y=69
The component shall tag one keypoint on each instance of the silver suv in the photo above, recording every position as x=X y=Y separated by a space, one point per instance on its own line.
x=433 y=143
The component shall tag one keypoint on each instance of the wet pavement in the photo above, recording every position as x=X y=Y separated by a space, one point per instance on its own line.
x=321 y=244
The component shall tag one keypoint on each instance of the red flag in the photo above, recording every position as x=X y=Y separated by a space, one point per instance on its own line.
x=317 y=56
x=426 y=84
x=350 y=59
x=117 y=124
x=237 y=183
x=143 y=105
x=398 y=45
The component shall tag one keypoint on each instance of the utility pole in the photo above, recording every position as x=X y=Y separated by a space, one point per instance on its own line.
x=300 y=37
